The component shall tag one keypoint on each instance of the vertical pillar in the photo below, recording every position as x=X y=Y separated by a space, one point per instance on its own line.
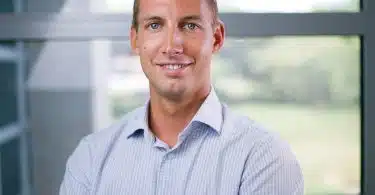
x=67 y=83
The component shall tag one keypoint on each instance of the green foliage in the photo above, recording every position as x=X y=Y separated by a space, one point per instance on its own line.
x=306 y=70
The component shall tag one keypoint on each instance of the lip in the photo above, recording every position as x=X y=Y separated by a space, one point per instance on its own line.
x=173 y=73
x=173 y=62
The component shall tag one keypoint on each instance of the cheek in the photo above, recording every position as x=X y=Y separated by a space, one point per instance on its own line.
x=146 y=52
x=198 y=46
x=150 y=47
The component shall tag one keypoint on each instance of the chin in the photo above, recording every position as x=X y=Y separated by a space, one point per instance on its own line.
x=172 y=96
x=173 y=92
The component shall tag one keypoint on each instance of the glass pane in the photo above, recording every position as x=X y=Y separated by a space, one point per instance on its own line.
x=126 y=83
x=305 y=88
x=287 y=6
x=10 y=167
x=6 y=6
x=9 y=152
x=8 y=102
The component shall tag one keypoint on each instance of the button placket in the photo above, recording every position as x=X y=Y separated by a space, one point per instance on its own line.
x=162 y=175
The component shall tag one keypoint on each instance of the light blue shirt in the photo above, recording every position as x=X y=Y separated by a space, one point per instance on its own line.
x=218 y=153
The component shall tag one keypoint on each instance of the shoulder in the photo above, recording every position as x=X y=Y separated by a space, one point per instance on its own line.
x=94 y=147
x=84 y=162
x=270 y=165
x=237 y=124
x=255 y=137
x=107 y=136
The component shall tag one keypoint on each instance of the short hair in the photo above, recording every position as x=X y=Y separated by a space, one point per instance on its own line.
x=211 y=3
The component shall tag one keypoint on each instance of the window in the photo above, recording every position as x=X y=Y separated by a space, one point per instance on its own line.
x=308 y=90
x=305 y=88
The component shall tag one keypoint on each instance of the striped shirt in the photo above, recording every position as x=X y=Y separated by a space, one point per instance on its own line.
x=218 y=153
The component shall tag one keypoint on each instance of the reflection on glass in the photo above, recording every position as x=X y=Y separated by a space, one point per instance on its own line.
x=305 y=88
x=287 y=6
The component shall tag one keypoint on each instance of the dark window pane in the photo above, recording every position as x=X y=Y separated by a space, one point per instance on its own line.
x=10 y=169
x=6 y=6
x=9 y=151
x=8 y=101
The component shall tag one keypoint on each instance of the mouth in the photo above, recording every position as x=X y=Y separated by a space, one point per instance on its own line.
x=174 y=69
x=174 y=66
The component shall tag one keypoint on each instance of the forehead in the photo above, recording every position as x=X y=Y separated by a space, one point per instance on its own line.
x=172 y=7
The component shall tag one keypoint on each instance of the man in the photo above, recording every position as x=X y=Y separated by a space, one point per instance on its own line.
x=183 y=140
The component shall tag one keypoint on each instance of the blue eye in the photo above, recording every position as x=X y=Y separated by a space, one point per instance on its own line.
x=191 y=26
x=154 y=26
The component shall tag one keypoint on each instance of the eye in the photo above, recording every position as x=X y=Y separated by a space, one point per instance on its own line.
x=190 y=26
x=154 y=26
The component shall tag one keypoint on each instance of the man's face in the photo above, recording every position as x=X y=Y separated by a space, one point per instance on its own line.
x=175 y=41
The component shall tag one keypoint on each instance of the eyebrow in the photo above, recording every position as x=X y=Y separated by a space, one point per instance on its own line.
x=158 y=18
x=192 y=17
x=148 y=18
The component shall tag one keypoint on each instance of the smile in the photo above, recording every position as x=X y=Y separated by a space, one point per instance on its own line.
x=174 y=66
x=174 y=69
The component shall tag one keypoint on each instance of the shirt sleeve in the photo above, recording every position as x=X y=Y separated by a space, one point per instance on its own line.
x=76 y=179
x=272 y=169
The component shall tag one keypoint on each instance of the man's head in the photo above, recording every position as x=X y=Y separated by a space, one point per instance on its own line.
x=212 y=4
x=175 y=40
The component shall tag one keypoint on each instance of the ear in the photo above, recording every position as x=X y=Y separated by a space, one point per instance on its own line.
x=133 y=40
x=219 y=36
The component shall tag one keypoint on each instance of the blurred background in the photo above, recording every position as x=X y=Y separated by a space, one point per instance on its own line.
x=66 y=70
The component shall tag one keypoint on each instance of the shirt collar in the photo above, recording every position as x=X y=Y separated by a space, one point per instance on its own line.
x=137 y=121
x=210 y=113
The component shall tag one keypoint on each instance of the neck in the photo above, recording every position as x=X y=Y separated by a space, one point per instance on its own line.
x=167 y=118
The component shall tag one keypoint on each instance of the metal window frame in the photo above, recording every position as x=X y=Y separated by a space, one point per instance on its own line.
x=57 y=26
x=19 y=7
x=368 y=101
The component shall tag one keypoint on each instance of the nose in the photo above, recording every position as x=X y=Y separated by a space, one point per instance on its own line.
x=173 y=43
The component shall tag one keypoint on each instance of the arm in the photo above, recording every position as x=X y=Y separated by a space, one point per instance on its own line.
x=76 y=179
x=272 y=169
